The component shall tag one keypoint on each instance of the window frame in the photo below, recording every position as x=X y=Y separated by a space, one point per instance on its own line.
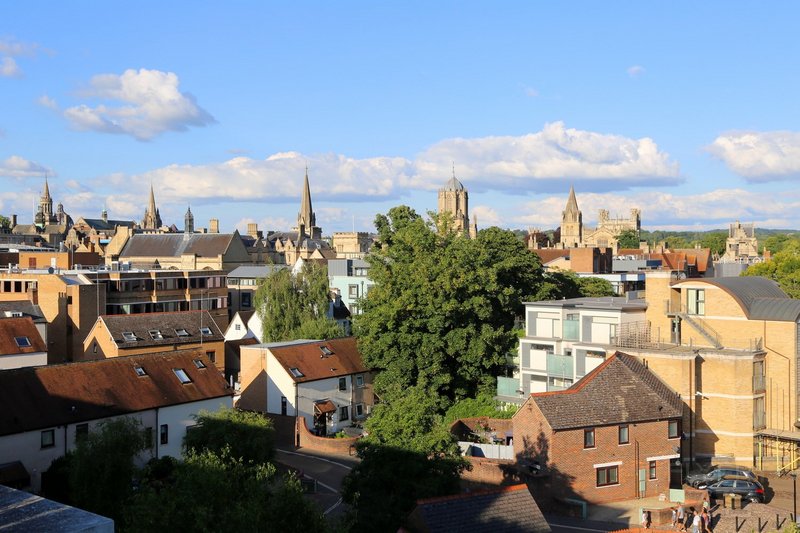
x=23 y=341
x=607 y=470
x=81 y=431
x=343 y=384
x=677 y=425
x=182 y=376
x=589 y=442
x=627 y=430
x=652 y=470
x=360 y=381
x=50 y=441
x=163 y=434
x=344 y=413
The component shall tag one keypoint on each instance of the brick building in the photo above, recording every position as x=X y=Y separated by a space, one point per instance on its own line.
x=614 y=435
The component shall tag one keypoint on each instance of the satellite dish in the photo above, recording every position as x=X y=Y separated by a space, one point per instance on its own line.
x=50 y=270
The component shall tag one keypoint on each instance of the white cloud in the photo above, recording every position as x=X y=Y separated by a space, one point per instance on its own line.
x=555 y=153
x=660 y=210
x=265 y=224
x=634 y=71
x=487 y=216
x=19 y=167
x=280 y=177
x=760 y=156
x=46 y=101
x=143 y=103
x=9 y=68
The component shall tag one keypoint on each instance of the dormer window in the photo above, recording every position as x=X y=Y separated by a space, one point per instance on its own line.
x=23 y=342
x=128 y=336
x=199 y=364
x=183 y=377
x=181 y=332
x=141 y=372
x=156 y=335
x=205 y=331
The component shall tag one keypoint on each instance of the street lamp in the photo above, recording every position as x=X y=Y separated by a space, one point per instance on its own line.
x=794 y=496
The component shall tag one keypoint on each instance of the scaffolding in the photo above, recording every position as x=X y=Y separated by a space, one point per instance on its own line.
x=777 y=450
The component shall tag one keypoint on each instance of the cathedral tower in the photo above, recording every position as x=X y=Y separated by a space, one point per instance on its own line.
x=152 y=218
x=306 y=220
x=571 y=223
x=454 y=199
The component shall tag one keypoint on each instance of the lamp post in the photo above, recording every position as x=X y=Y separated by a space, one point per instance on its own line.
x=794 y=497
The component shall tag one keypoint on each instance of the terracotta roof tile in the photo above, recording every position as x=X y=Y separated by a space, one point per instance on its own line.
x=310 y=359
x=12 y=328
x=56 y=395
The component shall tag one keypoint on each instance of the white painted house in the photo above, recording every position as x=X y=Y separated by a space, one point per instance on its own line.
x=47 y=409
x=566 y=339
x=324 y=381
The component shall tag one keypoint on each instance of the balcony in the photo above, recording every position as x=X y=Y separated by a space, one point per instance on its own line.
x=572 y=330
x=560 y=366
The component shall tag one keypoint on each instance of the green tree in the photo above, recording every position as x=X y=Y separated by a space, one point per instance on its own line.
x=784 y=267
x=558 y=284
x=5 y=223
x=101 y=469
x=236 y=496
x=628 y=239
x=595 y=287
x=715 y=240
x=248 y=436
x=483 y=405
x=385 y=486
x=293 y=307
x=776 y=243
x=441 y=313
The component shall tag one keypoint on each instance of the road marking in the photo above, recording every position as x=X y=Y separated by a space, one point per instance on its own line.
x=332 y=507
x=317 y=458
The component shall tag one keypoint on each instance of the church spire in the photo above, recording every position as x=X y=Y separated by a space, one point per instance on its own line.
x=46 y=191
x=152 y=206
x=152 y=218
x=572 y=203
x=306 y=220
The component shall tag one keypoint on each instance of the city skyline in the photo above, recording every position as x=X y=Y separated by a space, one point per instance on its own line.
x=686 y=112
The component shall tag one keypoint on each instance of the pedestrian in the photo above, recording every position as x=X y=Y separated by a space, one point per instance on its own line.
x=647 y=519
x=706 y=521
x=681 y=517
x=697 y=522
x=674 y=516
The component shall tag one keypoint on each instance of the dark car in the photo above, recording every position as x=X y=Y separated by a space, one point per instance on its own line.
x=749 y=489
x=716 y=473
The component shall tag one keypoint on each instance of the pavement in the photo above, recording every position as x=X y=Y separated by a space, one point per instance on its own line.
x=327 y=470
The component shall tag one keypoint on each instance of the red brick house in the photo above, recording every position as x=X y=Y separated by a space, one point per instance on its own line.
x=613 y=435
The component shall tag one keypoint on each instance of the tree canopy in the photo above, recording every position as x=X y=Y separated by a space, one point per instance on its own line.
x=628 y=239
x=784 y=267
x=296 y=306
x=248 y=436
x=441 y=312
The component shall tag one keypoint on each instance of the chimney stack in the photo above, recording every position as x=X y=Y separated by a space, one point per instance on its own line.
x=213 y=225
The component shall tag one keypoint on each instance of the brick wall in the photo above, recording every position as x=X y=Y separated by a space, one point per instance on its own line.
x=572 y=470
x=308 y=440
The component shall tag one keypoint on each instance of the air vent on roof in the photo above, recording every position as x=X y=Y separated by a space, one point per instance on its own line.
x=296 y=373
x=129 y=336
x=16 y=314
x=156 y=335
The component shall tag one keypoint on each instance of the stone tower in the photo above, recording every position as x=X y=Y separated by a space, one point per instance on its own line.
x=571 y=223
x=454 y=199
x=188 y=221
x=152 y=218
x=306 y=220
x=44 y=215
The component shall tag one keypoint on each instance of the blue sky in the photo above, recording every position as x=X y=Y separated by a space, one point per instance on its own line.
x=686 y=110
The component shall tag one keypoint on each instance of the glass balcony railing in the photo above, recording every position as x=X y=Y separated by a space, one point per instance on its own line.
x=572 y=330
x=560 y=366
x=507 y=386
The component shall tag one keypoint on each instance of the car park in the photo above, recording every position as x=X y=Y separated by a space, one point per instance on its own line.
x=749 y=489
x=716 y=473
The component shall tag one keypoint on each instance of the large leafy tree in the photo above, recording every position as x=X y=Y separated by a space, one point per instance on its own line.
x=247 y=435
x=784 y=267
x=441 y=313
x=296 y=306
x=628 y=239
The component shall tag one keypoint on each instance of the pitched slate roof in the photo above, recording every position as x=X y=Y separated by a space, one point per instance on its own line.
x=56 y=395
x=313 y=363
x=107 y=225
x=177 y=244
x=22 y=306
x=254 y=271
x=621 y=390
x=11 y=328
x=166 y=323
x=504 y=510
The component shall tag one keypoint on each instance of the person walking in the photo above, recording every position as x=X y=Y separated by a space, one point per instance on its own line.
x=697 y=521
x=681 y=517
x=674 y=516
x=706 y=521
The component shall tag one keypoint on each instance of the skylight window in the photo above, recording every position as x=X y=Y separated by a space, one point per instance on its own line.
x=205 y=331
x=129 y=336
x=183 y=377
x=156 y=335
x=199 y=364
x=23 y=342
x=296 y=373
x=326 y=351
x=141 y=372
x=181 y=332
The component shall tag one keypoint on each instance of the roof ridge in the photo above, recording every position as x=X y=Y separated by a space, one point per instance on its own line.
x=464 y=495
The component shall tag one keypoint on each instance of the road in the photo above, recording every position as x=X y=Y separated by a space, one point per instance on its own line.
x=327 y=470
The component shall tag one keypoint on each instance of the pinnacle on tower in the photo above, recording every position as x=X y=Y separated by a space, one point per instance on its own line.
x=306 y=219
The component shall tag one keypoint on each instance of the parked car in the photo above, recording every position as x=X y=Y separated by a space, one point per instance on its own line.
x=748 y=488
x=716 y=473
